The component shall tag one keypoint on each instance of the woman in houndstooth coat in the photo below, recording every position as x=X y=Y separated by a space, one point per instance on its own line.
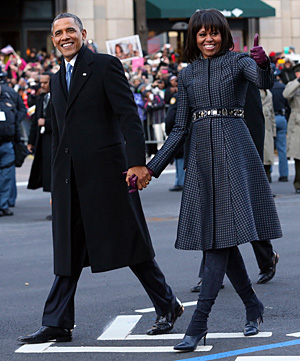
x=226 y=199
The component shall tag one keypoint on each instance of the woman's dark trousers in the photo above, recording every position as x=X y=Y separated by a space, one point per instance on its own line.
x=218 y=263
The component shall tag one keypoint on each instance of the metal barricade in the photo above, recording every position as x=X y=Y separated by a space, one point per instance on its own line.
x=155 y=133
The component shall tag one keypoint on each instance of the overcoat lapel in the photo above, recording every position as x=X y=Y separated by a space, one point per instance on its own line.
x=63 y=79
x=80 y=75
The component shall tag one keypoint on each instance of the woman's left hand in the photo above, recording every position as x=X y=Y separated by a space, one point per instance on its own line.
x=258 y=54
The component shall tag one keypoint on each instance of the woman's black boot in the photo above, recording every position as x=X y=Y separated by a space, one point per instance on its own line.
x=189 y=343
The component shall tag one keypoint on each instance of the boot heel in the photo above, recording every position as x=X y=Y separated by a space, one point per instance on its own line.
x=189 y=343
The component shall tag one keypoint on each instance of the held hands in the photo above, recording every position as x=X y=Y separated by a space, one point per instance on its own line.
x=138 y=178
x=258 y=54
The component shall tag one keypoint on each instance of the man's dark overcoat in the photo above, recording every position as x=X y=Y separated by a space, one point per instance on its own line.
x=97 y=135
x=40 y=174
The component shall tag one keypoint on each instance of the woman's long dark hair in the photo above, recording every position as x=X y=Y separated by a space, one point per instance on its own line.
x=209 y=19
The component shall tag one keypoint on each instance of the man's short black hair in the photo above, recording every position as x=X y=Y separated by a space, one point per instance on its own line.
x=68 y=15
x=48 y=73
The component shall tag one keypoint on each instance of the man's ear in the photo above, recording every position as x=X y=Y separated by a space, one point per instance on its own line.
x=84 y=34
x=52 y=38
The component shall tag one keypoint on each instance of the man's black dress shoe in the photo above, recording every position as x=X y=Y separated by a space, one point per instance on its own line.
x=189 y=343
x=7 y=212
x=165 y=323
x=252 y=327
x=266 y=276
x=46 y=334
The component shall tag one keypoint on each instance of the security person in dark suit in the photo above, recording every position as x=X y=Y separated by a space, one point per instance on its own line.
x=21 y=112
x=39 y=140
x=97 y=134
x=9 y=133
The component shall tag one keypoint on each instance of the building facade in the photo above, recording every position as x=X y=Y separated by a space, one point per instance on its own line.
x=283 y=30
x=26 y=23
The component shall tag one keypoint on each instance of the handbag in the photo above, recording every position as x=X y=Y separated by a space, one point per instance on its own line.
x=21 y=153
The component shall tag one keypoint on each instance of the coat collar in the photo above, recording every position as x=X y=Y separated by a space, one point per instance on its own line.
x=80 y=75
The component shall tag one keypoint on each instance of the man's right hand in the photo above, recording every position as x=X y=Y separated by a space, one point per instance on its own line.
x=30 y=147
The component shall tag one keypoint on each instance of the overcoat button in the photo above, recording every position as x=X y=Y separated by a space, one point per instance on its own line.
x=67 y=181
x=66 y=150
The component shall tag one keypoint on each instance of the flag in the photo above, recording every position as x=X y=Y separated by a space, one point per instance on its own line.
x=31 y=110
x=7 y=50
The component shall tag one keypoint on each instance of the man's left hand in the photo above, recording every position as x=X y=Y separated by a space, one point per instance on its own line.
x=142 y=174
x=41 y=122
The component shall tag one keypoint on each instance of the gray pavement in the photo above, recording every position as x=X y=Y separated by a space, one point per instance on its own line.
x=26 y=277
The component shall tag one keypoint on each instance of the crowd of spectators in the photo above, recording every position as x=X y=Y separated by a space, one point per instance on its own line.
x=23 y=75
x=154 y=84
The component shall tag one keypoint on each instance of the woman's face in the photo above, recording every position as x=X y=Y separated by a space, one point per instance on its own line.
x=209 y=42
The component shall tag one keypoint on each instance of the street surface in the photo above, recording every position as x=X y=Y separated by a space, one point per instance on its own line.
x=112 y=310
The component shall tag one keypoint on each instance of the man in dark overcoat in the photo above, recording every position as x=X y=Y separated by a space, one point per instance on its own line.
x=39 y=140
x=97 y=134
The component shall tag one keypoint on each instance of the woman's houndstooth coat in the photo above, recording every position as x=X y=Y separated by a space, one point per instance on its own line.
x=226 y=199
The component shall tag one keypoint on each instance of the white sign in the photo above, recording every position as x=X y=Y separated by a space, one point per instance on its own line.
x=125 y=48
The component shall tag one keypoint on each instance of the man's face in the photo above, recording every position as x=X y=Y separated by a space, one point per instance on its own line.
x=44 y=81
x=67 y=37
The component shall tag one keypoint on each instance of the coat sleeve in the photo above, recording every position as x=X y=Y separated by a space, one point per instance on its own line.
x=55 y=134
x=290 y=89
x=48 y=127
x=262 y=78
x=33 y=130
x=34 y=125
x=178 y=134
x=124 y=107
x=21 y=109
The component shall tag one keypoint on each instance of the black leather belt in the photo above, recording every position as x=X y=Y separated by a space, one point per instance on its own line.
x=218 y=112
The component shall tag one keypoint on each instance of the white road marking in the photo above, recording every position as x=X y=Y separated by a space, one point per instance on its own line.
x=57 y=349
x=268 y=358
x=120 y=327
x=151 y=309
x=34 y=348
x=176 y=336
x=296 y=334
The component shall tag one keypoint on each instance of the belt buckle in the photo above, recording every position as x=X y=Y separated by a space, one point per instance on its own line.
x=224 y=112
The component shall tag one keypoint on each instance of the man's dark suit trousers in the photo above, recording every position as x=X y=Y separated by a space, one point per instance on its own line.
x=59 y=306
